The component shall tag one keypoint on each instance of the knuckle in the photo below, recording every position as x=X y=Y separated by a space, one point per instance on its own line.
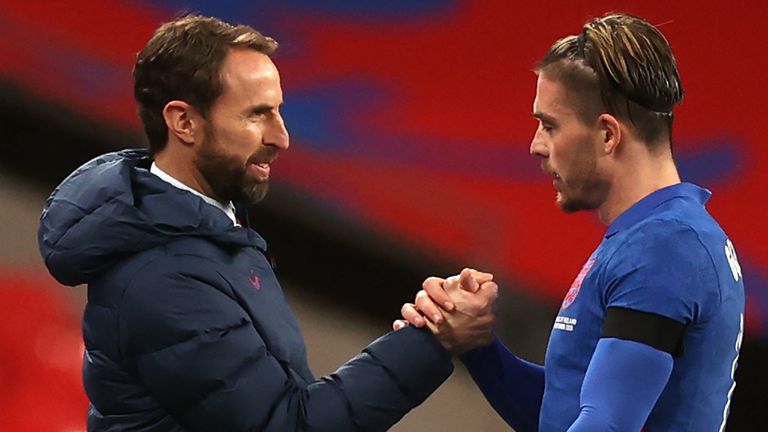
x=423 y=303
x=432 y=280
x=433 y=291
x=406 y=309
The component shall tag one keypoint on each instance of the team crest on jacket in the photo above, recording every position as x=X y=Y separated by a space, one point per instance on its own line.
x=570 y=297
x=255 y=281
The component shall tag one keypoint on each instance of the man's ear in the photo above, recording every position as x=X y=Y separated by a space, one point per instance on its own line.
x=182 y=120
x=610 y=130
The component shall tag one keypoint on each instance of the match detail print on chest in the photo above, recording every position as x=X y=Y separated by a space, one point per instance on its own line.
x=563 y=321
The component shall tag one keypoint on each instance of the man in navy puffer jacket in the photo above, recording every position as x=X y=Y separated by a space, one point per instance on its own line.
x=186 y=326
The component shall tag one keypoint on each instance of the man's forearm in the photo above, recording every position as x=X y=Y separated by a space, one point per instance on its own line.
x=514 y=387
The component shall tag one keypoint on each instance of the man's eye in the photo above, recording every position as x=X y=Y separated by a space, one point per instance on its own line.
x=259 y=115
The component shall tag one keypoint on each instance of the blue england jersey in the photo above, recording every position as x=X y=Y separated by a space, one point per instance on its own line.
x=665 y=256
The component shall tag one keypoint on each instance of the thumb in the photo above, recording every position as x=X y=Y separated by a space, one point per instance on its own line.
x=481 y=277
x=489 y=290
x=467 y=281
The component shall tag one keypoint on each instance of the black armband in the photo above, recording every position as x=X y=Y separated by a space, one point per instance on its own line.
x=656 y=331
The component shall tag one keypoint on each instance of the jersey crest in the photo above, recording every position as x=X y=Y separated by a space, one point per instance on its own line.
x=570 y=297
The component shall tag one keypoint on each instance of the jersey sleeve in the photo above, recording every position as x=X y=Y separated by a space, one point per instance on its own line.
x=622 y=384
x=662 y=269
x=513 y=387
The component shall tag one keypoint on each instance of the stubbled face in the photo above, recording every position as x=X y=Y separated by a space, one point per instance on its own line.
x=243 y=132
x=568 y=147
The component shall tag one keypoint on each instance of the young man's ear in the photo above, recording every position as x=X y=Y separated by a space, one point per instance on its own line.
x=610 y=129
x=181 y=120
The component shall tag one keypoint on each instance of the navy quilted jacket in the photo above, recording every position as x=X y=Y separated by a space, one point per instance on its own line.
x=187 y=328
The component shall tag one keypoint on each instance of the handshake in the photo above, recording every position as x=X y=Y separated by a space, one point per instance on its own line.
x=457 y=310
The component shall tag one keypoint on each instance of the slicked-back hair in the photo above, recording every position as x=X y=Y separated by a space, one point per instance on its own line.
x=622 y=65
x=182 y=61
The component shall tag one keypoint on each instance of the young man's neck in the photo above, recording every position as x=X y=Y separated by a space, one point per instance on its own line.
x=634 y=179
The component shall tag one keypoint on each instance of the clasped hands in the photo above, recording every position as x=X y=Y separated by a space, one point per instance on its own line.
x=458 y=310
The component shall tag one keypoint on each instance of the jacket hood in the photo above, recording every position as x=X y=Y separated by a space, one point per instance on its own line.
x=113 y=207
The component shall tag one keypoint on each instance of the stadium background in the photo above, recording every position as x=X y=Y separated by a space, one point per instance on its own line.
x=410 y=124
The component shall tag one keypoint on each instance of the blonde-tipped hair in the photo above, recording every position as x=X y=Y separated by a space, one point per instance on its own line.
x=623 y=65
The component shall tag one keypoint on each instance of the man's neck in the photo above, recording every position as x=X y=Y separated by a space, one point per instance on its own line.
x=634 y=181
x=178 y=166
x=227 y=207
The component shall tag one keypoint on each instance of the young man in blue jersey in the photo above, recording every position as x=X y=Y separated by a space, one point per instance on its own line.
x=647 y=337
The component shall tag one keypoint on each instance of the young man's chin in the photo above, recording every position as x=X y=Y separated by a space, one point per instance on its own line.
x=570 y=205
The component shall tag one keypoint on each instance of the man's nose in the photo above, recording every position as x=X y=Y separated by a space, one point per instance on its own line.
x=538 y=148
x=278 y=135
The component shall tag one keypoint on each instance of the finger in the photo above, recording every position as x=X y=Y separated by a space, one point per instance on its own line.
x=432 y=280
x=398 y=324
x=432 y=327
x=435 y=288
x=452 y=283
x=410 y=314
x=479 y=276
x=428 y=307
x=490 y=291
x=467 y=281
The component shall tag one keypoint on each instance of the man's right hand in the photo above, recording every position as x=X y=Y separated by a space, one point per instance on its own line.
x=458 y=310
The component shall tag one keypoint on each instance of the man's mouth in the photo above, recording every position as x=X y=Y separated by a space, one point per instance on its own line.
x=261 y=169
x=548 y=171
x=555 y=179
x=262 y=164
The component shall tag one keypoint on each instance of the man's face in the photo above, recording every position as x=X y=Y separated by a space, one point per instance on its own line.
x=568 y=147
x=243 y=132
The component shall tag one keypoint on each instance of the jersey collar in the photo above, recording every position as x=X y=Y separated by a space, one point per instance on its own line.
x=641 y=209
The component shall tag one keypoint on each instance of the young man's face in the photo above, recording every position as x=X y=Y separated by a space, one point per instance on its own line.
x=568 y=147
x=244 y=131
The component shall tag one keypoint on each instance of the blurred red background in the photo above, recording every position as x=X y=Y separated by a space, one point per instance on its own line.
x=410 y=122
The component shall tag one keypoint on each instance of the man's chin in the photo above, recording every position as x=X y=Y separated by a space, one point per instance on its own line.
x=569 y=205
x=257 y=193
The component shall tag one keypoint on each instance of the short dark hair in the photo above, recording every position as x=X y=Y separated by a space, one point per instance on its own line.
x=628 y=64
x=182 y=61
